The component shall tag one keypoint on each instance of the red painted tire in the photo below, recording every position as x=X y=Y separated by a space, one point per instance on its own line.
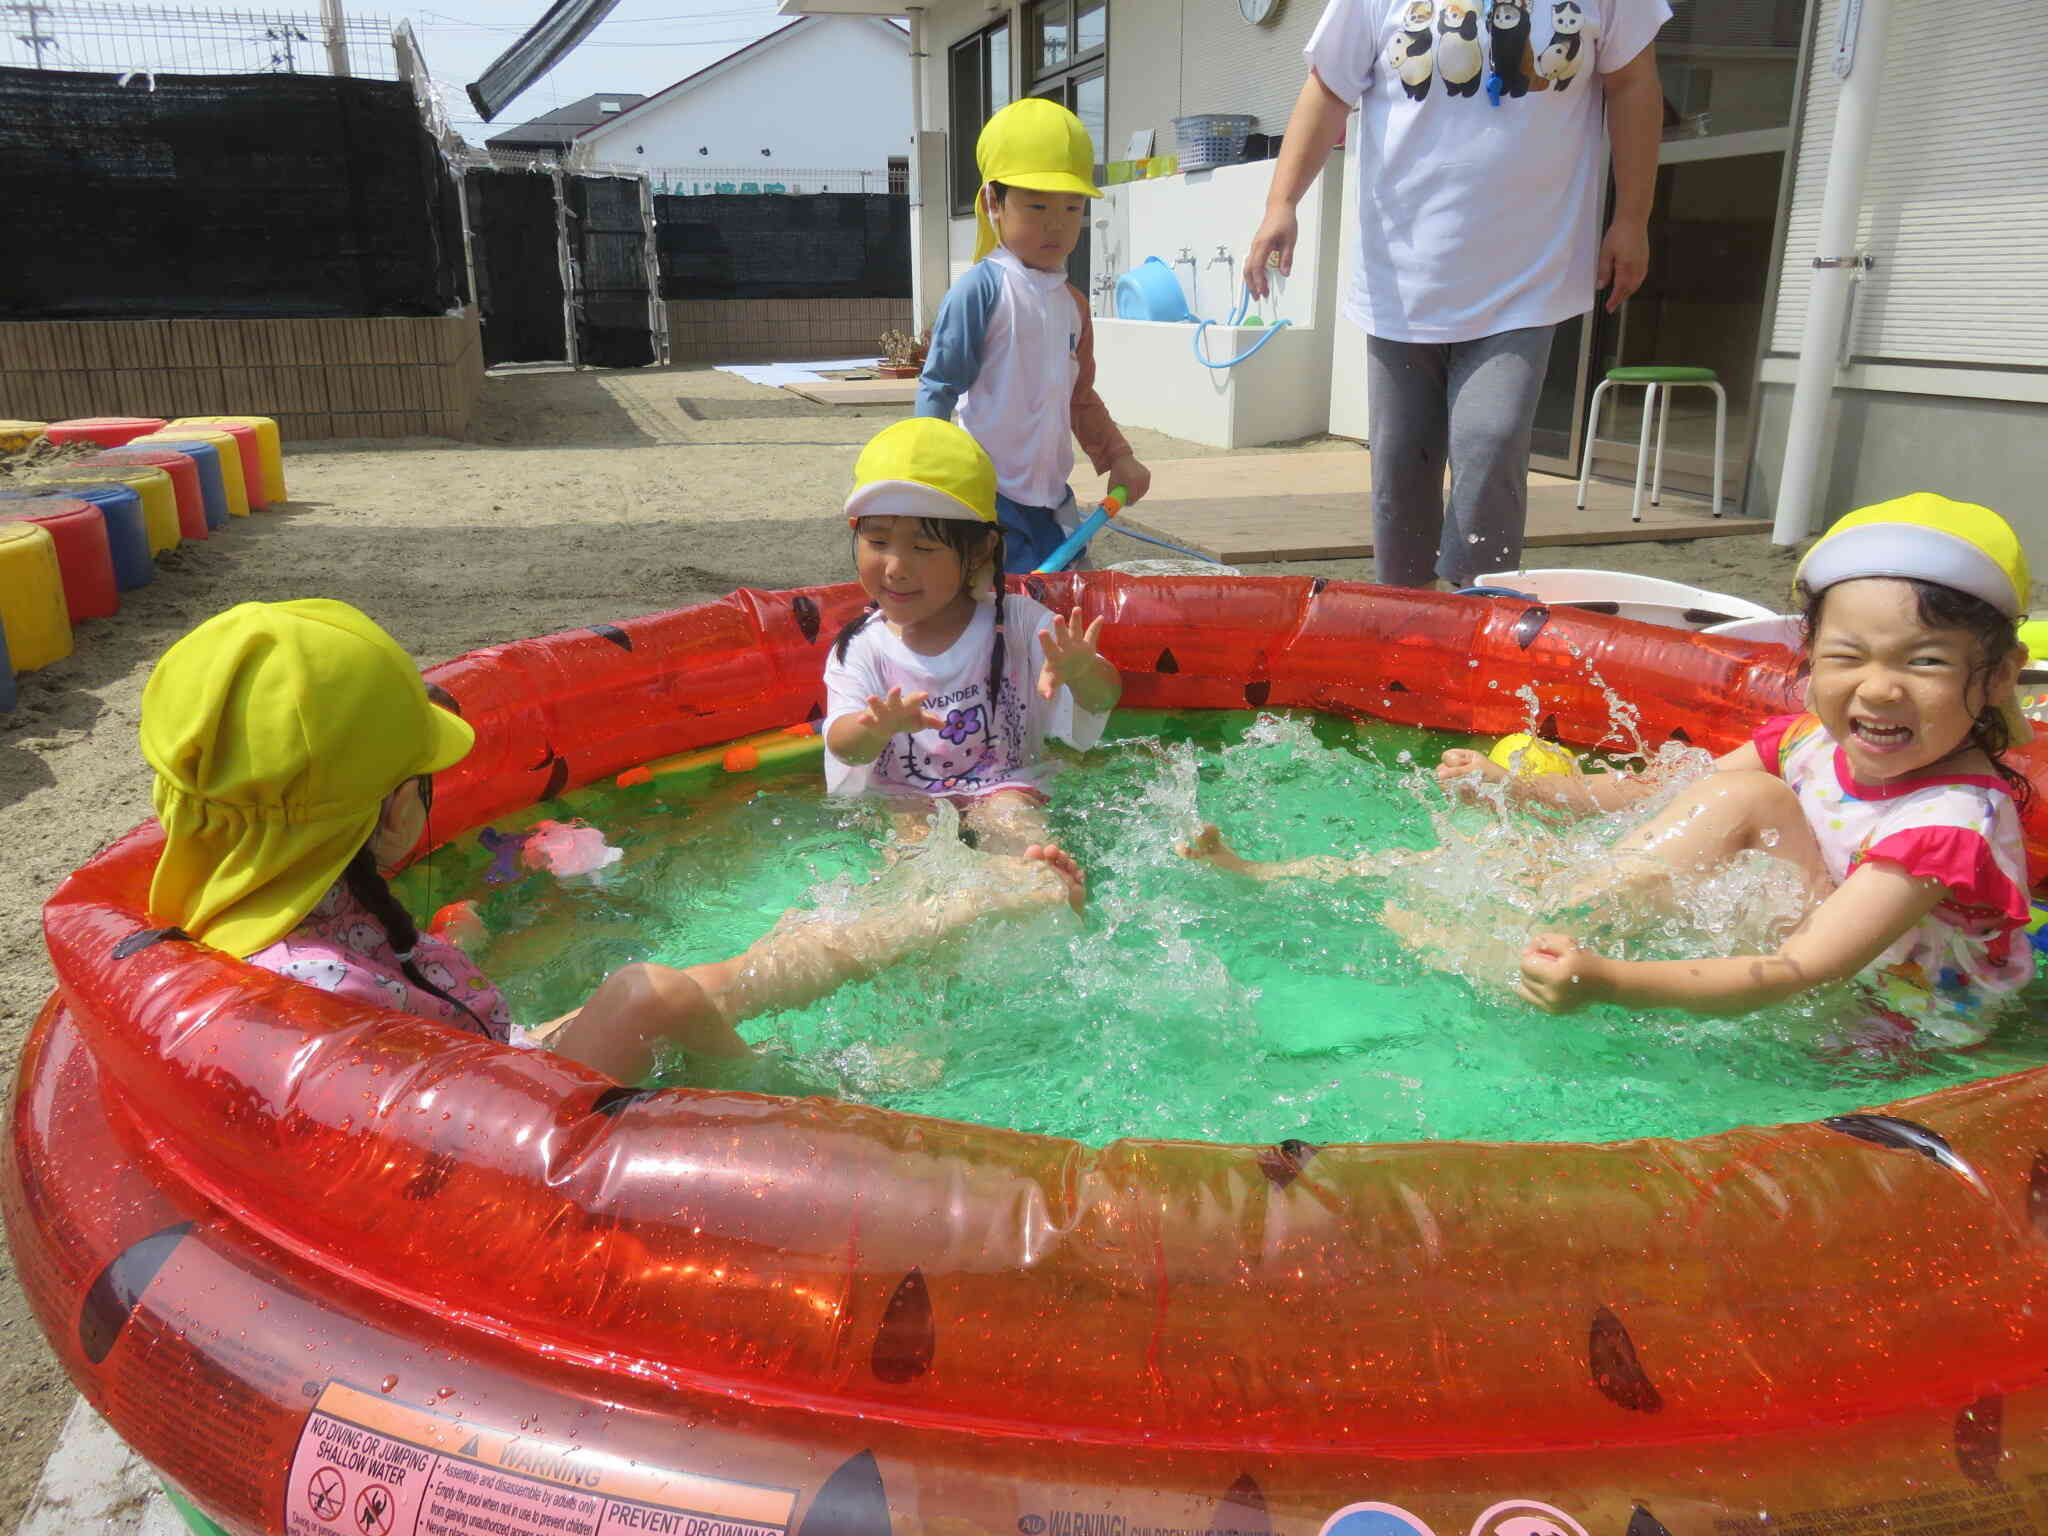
x=185 y=485
x=84 y=557
x=107 y=431
x=303 y=1252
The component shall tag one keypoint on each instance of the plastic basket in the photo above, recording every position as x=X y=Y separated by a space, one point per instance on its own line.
x=1212 y=138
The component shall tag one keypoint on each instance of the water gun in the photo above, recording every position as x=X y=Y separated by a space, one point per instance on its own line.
x=1077 y=541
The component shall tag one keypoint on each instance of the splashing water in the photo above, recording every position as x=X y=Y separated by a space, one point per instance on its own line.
x=1195 y=1003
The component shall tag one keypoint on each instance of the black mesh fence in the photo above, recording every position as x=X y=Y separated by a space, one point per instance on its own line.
x=827 y=245
x=611 y=289
x=221 y=195
x=518 y=266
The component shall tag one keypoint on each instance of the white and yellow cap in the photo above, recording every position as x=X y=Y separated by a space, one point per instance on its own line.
x=1925 y=537
x=1035 y=144
x=923 y=467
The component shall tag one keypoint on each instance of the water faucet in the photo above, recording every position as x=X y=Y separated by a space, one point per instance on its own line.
x=1103 y=286
x=1229 y=267
x=1186 y=257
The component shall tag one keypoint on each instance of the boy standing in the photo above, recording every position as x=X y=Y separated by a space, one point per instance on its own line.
x=1013 y=349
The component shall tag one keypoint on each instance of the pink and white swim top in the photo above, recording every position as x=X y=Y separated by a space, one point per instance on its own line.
x=342 y=948
x=1959 y=828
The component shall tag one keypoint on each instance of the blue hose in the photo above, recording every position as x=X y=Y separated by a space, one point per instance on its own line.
x=1146 y=538
x=1236 y=317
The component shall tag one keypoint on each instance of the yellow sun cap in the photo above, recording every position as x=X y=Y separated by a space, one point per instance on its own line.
x=1035 y=144
x=1927 y=538
x=923 y=467
x=276 y=730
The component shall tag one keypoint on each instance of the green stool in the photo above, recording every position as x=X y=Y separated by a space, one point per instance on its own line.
x=1656 y=377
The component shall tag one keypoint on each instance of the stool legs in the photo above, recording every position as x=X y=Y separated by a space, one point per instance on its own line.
x=1592 y=431
x=1720 y=439
x=1635 y=506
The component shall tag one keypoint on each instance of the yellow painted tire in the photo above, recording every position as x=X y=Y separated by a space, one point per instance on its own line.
x=268 y=445
x=17 y=435
x=32 y=597
x=232 y=480
x=159 y=497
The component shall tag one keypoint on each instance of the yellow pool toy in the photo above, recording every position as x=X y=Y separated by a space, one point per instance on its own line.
x=1524 y=754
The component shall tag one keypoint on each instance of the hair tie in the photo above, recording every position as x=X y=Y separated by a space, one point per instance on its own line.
x=405 y=955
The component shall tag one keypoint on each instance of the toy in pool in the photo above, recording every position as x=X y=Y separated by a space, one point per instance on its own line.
x=336 y=1270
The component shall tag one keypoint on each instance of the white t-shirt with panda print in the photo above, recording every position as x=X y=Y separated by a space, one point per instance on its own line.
x=1478 y=155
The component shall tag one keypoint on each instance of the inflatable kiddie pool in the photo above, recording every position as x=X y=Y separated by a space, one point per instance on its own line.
x=334 y=1270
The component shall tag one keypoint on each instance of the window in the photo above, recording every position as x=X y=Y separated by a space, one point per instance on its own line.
x=899 y=176
x=1066 y=47
x=979 y=86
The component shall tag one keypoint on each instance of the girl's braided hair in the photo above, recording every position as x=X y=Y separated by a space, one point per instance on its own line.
x=971 y=542
x=366 y=883
x=1996 y=638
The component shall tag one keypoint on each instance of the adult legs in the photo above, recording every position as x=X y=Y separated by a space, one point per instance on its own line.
x=1493 y=384
x=1405 y=385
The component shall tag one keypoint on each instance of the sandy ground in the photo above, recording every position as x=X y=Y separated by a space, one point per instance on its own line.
x=581 y=497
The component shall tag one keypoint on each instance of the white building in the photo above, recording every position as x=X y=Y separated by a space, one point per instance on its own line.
x=826 y=93
x=1946 y=371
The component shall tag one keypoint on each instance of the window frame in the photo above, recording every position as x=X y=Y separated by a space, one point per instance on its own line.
x=964 y=126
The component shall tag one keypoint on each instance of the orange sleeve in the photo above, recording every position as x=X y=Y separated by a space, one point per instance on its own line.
x=1093 y=426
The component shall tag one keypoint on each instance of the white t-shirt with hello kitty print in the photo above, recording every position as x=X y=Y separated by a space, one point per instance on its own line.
x=1478 y=155
x=962 y=756
x=341 y=948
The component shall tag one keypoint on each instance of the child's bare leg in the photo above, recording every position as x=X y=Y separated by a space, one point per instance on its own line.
x=1722 y=815
x=1209 y=848
x=1007 y=822
x=806 y=956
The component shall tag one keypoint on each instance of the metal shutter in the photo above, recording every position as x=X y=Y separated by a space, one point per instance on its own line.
x=1955 y=208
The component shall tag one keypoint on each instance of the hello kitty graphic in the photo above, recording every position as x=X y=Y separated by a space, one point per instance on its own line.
x=951 y=758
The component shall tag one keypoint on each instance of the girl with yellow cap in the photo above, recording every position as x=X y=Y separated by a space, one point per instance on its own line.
x=294 y=747
x=1012 y=356
x=947 y=687
x=1889 y=794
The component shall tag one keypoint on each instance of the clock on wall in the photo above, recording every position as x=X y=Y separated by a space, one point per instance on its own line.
x=1258 y=12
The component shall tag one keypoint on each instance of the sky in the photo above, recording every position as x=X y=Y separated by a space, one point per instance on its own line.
x=641 y=46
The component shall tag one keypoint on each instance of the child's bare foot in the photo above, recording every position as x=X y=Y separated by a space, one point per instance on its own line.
x=1208 y=847
x=1062 y=864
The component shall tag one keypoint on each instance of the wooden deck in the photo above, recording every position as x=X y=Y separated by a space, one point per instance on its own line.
x=1247 y=508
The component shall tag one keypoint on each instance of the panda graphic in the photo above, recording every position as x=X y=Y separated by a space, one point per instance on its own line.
x=1507 y=24
x=1560 y=60
x=1411 y=55
x=1459 y=62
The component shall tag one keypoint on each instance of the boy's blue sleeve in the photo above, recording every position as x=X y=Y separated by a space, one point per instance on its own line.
x=954 y=360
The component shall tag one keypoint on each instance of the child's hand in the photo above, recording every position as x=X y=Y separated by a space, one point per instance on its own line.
x=897 y=714
x=1129 y=471
x=1456 y=769
x=1558 y=976
x=1069 y=645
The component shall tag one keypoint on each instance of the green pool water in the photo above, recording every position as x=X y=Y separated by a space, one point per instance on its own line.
x=1189 y=1002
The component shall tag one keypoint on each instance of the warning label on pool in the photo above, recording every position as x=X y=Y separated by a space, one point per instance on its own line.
x=366 y=1466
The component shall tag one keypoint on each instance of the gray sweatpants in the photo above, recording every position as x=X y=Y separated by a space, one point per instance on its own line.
x=1474 y=401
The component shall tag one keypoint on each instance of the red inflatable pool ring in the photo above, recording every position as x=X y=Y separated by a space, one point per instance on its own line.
x=323 y=1264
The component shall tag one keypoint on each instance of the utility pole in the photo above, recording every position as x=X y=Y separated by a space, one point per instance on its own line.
x=35 y=37
x=337 y=38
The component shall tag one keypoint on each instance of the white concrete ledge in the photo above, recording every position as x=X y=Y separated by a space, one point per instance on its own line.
x=1147 y=375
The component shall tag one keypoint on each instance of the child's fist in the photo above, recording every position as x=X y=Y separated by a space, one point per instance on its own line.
x=1558 y=976
x=1069 y=645
x=1129 y=471
x=1461 y=771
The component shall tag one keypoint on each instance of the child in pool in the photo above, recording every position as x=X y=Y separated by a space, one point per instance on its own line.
x=1890 y=795
x=947 y=687
x=294 y=748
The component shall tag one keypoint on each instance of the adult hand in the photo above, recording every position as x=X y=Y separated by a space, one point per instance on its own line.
x=1069 y=645
x=1558 y=976
x=1129 y=471
x=1276 y=236
x=1624 y=261
x=896 y=714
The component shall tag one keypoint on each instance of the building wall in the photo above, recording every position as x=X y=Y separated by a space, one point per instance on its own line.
x=836 y=95
x=1889 y=442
